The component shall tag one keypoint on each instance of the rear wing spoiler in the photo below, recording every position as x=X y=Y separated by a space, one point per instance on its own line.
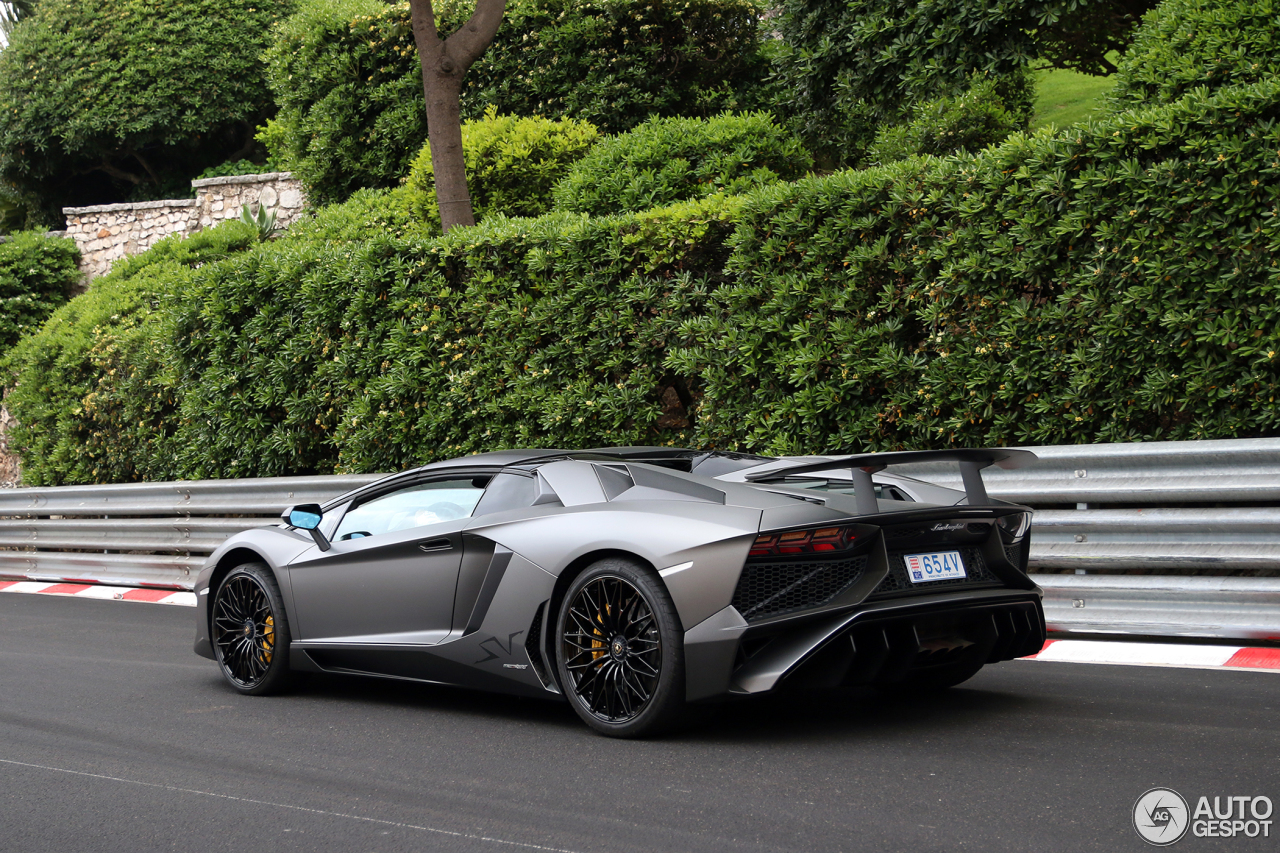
x=863 y=465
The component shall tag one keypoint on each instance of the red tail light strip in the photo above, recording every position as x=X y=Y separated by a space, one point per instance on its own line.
x=803 y=542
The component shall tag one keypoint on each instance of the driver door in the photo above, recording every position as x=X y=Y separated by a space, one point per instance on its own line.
x=391 y=573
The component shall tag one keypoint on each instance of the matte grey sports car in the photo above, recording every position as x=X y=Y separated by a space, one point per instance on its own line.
x=633 y=581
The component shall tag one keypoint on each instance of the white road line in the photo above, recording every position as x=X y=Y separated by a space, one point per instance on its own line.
x=322 y=812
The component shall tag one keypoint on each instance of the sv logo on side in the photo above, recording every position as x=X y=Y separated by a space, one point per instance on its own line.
x=493 y=645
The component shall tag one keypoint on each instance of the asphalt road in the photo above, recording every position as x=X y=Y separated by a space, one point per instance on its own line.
x=114 y=736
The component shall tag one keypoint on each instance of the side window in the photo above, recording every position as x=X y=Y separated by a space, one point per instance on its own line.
x=508 y=491
x=412 y=506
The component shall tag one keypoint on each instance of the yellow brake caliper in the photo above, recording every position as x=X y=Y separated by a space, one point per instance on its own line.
x=598 y=644
x=268 y=639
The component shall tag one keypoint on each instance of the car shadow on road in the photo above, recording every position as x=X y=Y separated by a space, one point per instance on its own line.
x=856 y=713
x=787 y=717
x=398 y=694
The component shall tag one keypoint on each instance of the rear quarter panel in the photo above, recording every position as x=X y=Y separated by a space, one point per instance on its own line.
x=713 y=538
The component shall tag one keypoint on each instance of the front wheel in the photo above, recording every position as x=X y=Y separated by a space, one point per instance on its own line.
x=620 y=650
x=251 y=631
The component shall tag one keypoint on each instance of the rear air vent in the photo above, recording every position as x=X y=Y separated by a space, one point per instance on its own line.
x=775 y=588
x=533 y=646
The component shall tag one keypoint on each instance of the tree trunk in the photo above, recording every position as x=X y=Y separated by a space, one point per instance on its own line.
x=444 y=130
x=444 y=62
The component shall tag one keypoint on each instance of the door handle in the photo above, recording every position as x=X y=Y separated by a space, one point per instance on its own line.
x=435 y=545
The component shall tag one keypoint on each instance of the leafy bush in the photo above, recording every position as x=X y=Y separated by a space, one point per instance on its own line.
x=669 y=159
x=238 y=167
x=967 y=122
x=1111 y=282
x=539 y=332
x=854 y=66
x=103 y=100
x=364 y=216
x=512 y=164
x=37 y=274
x=87 y=389
x=1183 y=44
x=347 y=78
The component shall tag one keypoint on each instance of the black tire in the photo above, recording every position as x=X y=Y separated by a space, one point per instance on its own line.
x=934 y=678
x=620 y=650
x=250 y=631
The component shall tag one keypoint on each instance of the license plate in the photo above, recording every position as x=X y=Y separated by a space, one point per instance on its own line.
x=939 y=566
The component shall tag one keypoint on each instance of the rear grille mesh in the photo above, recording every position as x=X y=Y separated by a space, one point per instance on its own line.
x=896 y=582
x=770 y=589
x=1013 y=553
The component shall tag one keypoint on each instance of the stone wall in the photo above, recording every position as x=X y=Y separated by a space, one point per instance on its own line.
x=107 y=232
x=221 y=198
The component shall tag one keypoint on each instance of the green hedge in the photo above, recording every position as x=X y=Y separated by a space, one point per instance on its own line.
x=1114 y=282
x=970 y=121
x=512 y=164
x=87 y=390
x=347 y=79
x=853 y=66
x=666 y=160
x=37 y=274
x=1183 y=44
x=1110 y=282
x=389 y=353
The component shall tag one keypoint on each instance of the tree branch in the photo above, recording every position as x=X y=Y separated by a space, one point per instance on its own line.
x=467 y=44
x=145 y=165
x=119 y=173
x=423 y=20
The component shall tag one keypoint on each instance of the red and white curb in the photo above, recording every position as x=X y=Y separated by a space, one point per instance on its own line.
x=93 y=590
x=1159 y=654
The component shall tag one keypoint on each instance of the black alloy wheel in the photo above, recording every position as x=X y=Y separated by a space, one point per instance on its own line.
x=620 y=653
x=250 y=630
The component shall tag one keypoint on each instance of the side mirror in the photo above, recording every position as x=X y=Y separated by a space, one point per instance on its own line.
x=307 y=517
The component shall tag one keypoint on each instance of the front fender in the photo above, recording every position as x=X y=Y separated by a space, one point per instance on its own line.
x=276 y=546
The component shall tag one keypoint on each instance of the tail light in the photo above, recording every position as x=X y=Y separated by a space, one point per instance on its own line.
x=791 y=542
x=1015 y=525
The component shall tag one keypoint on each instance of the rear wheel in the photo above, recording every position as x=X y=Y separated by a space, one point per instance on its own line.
x=251 y=631
x=620 y=650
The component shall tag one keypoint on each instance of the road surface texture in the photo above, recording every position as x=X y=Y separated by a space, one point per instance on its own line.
x=115 y=736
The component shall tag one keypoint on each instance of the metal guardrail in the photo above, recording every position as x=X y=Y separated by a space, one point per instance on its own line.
x=1153 y=473
x=1160 y=539
x=262 y=496
x=1128 y=496
x=1237 y=608
x=1132 y=515
x=143 y=534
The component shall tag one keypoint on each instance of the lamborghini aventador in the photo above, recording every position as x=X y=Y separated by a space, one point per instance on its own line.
x=633 y=582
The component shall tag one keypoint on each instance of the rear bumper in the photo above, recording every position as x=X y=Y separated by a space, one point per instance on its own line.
x=878 y=642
